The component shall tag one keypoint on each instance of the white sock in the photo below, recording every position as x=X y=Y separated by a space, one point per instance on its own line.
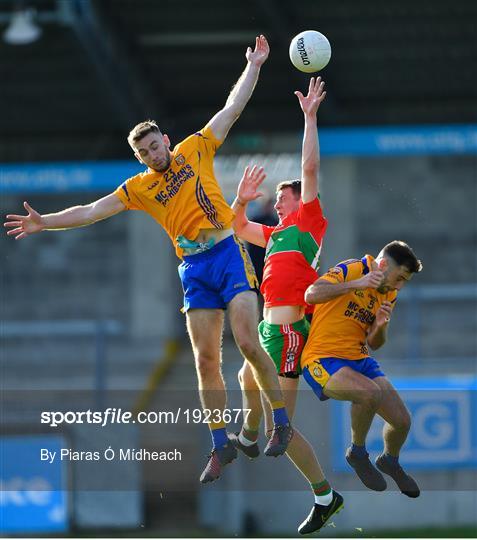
x=324 y=500
x=243 y=440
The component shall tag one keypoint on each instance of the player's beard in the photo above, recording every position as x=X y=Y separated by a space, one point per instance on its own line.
x=383 y=286
x=166 y=165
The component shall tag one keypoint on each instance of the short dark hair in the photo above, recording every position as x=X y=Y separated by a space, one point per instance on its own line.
x=139 y=131
x=295 y=186
x=403 y=255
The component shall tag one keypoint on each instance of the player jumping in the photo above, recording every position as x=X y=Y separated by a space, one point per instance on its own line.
x=354 y=303
x=180 y=191
x=291 y=261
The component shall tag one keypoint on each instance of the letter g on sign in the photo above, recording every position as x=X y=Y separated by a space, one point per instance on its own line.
x=433 y=425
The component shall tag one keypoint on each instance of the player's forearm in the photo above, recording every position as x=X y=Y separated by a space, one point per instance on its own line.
x=377 y=336
x=310 y=159
x=240 y=209
x=76 y=216
x=243 y=90
x=324 y=291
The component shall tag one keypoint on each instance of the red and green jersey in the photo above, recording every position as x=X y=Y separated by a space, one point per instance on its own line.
x=292 y=255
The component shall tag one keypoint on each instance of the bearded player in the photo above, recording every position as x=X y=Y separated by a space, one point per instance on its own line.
x=354 y=302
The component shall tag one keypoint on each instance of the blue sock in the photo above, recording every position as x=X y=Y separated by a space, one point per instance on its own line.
x=394 y=460
x=280 y=417
x=359 y=451
x=219 y=437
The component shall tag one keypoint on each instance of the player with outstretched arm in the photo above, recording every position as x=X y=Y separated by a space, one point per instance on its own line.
x=292 y=257
x=180 y=191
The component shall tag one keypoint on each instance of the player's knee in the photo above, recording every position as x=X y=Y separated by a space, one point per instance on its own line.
x=207 y=366
x=250 y=348
x=403 y=422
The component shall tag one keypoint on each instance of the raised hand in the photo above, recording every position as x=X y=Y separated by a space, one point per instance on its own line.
x=258 y=56
x=316 y=94
x=372 y=280
x=22 y=226
x=383 y=315
x=250 y=182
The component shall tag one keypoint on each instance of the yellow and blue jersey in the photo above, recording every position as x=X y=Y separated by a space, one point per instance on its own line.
x=186 y=197
x=339 y=327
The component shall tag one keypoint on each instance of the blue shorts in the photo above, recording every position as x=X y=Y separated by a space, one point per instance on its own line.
x=318 y=372
x=212 y=278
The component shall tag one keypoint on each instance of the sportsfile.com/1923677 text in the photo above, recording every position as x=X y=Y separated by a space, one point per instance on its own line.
x=113 y=415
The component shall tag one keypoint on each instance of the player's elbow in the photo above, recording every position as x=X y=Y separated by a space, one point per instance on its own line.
x=316 y=294
x=374 y=344
x=94 y=212
x=89 y=214
x=231 y=112
x=310 y=295
x=311 y=168
x=371 y=345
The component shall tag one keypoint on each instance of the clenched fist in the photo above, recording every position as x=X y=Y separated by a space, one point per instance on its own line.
x=372 y=280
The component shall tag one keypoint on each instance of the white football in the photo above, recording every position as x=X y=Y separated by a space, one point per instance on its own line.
x=310 y=51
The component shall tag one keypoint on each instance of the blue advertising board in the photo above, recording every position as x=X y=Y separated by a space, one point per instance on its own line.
x=105 y=176
x=443 y=433
x=33 y=493
x=62 y=177
x=399 y=140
